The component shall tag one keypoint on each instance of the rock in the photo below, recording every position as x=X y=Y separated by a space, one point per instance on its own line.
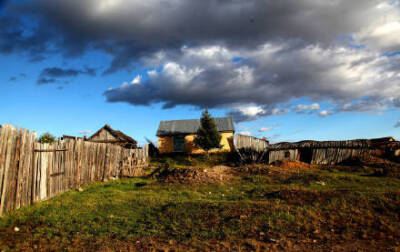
x=16 y=229
x=80 y=189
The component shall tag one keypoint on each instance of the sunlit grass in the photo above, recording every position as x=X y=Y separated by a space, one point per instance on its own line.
x=303 y=205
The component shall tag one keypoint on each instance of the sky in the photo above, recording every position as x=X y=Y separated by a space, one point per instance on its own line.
x=287 y=70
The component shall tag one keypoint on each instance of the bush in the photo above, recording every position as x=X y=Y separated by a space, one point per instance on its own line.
x=47 y=138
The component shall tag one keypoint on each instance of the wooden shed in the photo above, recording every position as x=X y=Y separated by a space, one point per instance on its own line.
x=330 y=152
x=179 y=135
x=109 y=135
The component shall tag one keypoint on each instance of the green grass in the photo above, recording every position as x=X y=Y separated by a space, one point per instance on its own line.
x=271 y=210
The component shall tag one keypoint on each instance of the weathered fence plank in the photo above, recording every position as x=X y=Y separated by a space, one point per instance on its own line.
x=31 y=172
x=242 y=141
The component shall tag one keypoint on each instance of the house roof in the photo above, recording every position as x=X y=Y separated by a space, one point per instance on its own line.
x=116 y=133
x=176 y=127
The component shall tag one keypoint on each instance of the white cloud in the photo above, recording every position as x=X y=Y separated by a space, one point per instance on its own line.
x=264 y=129
x=250 y=110
x=268 y=79
x=397 y=124
x=325 y=113
x=382 y=31
x=246 y=133
x=301 y=108
x=136 y=80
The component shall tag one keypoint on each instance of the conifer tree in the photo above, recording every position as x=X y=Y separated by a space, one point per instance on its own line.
x=208 y=136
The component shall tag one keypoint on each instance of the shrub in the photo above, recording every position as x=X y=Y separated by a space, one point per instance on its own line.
x=47 y=138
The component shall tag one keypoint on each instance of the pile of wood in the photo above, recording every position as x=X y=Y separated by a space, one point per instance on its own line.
x=252 y=156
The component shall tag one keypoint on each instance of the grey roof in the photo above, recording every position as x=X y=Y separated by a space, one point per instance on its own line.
x=176 y=127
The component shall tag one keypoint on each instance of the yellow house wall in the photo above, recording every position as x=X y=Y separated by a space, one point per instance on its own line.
x=166 y=144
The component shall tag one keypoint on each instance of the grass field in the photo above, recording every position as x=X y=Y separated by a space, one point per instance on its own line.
x=268 y=209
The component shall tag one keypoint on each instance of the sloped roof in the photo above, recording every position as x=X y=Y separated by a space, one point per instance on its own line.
x=191 y=126
x=116 y=133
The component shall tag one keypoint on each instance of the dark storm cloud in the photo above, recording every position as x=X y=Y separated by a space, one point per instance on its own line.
x=271 y=75
x=322 y=50
x=44 y=80
x=59 y=72
x=17 y=78
x=2 y=3
x=51 y=74
x=128 y=30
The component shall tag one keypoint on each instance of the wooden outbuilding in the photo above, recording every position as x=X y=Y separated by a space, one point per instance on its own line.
x=109 y=135
x=179 y=135
x=332 y=152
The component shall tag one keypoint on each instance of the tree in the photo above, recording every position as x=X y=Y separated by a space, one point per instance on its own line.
x=47 y=138
x=208 y=136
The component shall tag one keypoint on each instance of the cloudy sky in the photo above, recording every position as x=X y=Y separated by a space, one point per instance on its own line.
x=287 y=70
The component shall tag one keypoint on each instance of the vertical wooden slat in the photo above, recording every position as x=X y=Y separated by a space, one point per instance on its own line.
x=28 y=176
x=10 y=181
x=4 y=133
x=19 y=171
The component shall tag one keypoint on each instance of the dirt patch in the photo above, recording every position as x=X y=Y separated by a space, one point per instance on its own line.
x=214 y=174
x=292 y=165
x=254 y=169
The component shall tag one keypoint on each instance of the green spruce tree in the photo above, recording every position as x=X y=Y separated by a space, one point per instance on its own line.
x=208 y=136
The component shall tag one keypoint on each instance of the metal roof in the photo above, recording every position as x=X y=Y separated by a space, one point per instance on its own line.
x=176 y=127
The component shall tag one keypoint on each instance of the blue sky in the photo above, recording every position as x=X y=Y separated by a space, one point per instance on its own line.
x=285 y=83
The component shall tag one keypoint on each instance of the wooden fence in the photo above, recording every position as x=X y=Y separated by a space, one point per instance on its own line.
x=31 y=172
x=242 y=141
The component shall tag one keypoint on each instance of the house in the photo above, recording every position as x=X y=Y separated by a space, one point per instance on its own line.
x=179 y=135
x=109 y=135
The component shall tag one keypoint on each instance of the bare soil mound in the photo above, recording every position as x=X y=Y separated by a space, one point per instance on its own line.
x=214 y=174
x=292 y=165
x=254 y=169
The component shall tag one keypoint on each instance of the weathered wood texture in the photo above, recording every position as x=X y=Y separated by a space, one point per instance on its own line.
x=283 y=155
x=242 y=141
x=322 y=153
x=31 y=172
